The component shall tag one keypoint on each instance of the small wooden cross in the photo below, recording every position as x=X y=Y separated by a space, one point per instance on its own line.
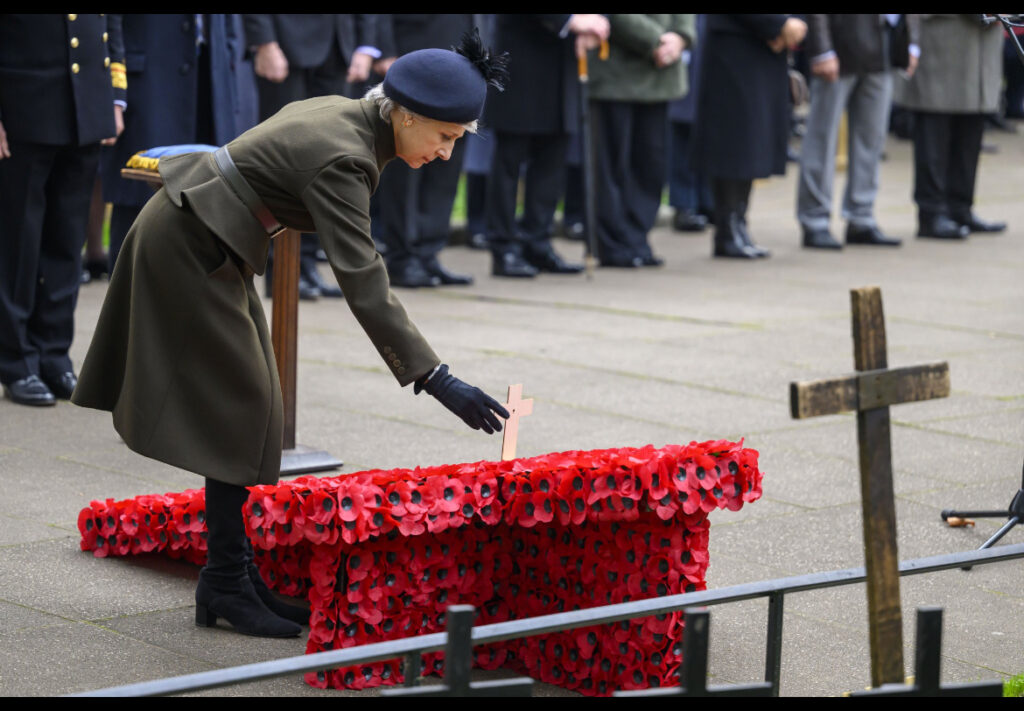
x=458 y=660
x=517 y=407
x=927 y=660
x=869 y=392
x=693 y=673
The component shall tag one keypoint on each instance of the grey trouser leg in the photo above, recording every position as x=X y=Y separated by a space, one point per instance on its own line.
x=866 y=97
x=868 y=109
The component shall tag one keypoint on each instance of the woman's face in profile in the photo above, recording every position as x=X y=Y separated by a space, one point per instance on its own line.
x=419 y=140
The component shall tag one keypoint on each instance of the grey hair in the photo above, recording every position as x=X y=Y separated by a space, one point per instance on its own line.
x=386 y=105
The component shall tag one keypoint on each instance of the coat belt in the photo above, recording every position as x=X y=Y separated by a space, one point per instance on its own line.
x=244 y=191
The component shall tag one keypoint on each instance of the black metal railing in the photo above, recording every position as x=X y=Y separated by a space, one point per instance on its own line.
x=412 y=648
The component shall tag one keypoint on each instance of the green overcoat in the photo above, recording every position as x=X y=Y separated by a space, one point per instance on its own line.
x=629 y=73
x=181 y=354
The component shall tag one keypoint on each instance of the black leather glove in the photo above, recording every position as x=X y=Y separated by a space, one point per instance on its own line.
x=476 y=408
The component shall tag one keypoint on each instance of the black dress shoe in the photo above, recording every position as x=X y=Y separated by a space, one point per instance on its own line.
x=549 y=261
x=869 y=235
x=974 y=224
x=30 y=391
x=575 y=231
x=622 y=262
x=941 y=227
x=434 y=268
x=510 y=264
x=309 y=273
x=820 y=239
x=689 y=221
x=412 y=275
x=478 y=240
x=652 y=260
x=63 y=386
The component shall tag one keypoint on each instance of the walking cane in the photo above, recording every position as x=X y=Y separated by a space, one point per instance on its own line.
x=588 y=162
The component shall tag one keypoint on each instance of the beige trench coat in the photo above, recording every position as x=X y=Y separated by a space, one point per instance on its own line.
x=181 y=354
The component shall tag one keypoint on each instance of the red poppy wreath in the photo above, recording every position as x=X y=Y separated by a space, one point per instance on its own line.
x=381 y=554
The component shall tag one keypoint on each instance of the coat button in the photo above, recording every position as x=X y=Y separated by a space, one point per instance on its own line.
x=397 y=362
x=106 y=61
x=105 y=36
x=401 y=371
x=74 y=42
x=386 y=349
x=72 y=18
x=74 y=68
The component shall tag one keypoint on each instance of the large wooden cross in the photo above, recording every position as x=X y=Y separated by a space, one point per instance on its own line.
x=869 y=392
x=517 y=407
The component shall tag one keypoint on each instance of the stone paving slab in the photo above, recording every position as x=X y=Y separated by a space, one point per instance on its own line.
x=699 y=349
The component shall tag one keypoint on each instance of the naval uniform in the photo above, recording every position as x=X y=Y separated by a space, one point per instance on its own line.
x=59 y=78
x=182 y=355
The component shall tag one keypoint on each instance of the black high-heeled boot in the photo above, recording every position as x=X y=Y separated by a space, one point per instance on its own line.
x=728 y=236
x=295 y=613
x=225 y=589
x=743 y=198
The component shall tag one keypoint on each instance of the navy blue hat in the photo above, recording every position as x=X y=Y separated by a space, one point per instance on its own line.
x=446 y=85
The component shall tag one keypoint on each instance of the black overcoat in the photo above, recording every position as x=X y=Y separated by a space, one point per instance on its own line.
x=163 y=88
x=742 y=126
x=306 y=38
x=542 y=96
x=40 y=102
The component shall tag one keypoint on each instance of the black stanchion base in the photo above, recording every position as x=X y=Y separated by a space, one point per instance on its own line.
x=306 y=460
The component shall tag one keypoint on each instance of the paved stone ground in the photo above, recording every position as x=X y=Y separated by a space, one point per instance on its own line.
x=695 y=350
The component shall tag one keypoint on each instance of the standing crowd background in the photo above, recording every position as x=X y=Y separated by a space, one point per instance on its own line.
x=695 y=107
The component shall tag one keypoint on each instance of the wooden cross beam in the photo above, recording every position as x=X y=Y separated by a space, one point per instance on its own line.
x=458 y=660
x=927 y=661
x=869 y=392
x=517 y=407
x=694 y=670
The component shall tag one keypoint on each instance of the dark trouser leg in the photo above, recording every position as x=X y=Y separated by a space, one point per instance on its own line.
x=51 y=326
x=23 y=179
x=502 y=189
x=613 y=123
x=544 y=175
x=121 y=219
x=932 y=136
x=964 y=151
x=648 y=171
x=396 y=192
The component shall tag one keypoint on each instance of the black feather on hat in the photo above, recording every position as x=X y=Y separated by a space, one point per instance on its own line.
x=493 y=67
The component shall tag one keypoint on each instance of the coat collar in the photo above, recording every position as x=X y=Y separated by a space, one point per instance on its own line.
x=383 y=134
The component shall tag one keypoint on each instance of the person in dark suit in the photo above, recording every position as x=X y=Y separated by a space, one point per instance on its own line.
x=181 y=355
x=532 y=122
x=181 y=89
x=60 y=76
x=743 y=117
x=416 y=205
x=299 y=56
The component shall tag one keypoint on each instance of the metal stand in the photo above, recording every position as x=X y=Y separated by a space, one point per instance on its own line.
x=1014 y=514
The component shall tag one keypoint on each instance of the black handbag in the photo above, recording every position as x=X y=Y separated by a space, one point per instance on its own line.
x=899 y=44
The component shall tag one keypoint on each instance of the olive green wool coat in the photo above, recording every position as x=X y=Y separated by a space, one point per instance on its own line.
x=181 y=354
